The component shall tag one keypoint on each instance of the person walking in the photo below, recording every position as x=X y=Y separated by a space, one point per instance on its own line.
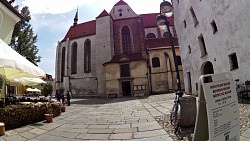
x=68 y=96
x=58 y=96
x=63 y=99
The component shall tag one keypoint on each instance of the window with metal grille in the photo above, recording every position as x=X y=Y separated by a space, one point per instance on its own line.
x=125 y=71
x=156 y=62
x=126 y=40
x=74 y=58
x=87 y=56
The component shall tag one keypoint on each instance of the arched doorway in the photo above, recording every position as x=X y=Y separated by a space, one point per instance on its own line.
x=207 y=68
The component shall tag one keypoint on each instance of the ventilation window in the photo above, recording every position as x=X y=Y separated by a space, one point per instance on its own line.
x=202 y=45
x=189 y=49
x=194 y=16
x=233 y=61
x=156 y=62
x=185 y=23
x=125 y=71
x=214 y=26
x=120 y=14
x=150 y=36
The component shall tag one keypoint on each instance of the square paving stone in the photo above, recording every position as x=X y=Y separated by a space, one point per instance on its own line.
x=125 y=130
x=148 y=134
x=97 y=126
x=100 y=131
x=15 y=138
x=28 y=135
x=121 y=136
x=37 y=131
x=76 y=130
x=22 y=129
x=120 y=126
x=45 y=137
x=149 y=128
x=93 y=136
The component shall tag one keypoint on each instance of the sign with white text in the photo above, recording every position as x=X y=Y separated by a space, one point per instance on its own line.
x=221 y=104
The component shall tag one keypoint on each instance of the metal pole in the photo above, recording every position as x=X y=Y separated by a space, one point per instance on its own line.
x=179 y=92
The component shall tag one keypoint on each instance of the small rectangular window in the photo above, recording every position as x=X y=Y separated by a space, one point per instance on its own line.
x=178 y=1
x=214 y=26
x=233 y=61
x=178 y=60
x=202 y=45
x=185 y=23
x=194 y=16
x=125 y=72
x=156 y=62
x=189 y=49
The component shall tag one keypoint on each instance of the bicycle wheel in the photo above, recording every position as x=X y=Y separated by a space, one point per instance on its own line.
x=173 y=115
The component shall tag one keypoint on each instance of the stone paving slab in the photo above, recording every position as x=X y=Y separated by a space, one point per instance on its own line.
x=121 y=136
x=148 y=134
x=93 y=136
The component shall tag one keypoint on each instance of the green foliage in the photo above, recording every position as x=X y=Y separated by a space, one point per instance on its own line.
x=23 y=38
x=47 y=89
x=15 y=116
x=61 y=90
x=1 y=81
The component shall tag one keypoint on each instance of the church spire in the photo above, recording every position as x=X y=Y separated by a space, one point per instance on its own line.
x=76 y=18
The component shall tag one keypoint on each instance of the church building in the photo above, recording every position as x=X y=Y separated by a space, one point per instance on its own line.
x=119 y=53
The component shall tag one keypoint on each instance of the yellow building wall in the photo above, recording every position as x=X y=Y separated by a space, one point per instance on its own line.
x=138 y=71
x=163 y=78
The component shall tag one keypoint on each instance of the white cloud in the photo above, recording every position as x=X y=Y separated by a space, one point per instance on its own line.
x=53 y=6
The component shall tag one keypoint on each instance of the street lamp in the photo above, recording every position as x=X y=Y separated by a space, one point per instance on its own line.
x=166 y=8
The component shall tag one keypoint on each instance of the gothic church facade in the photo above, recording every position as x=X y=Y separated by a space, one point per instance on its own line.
x=120 y=52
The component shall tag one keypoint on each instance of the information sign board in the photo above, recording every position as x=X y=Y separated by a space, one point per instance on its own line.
x=218 y=95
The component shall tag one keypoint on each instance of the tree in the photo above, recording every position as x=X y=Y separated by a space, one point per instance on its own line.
x=23 y=38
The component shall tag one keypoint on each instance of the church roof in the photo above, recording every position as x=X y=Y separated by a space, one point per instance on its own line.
x=121 y=2
x=103 y=14
x=149 y=20
x=11 y=8
x=160 y=42
x=81 y=30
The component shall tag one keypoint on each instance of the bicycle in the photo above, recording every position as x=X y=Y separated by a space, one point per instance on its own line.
x=174 y=113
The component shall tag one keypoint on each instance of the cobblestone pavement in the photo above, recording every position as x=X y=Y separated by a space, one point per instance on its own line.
x=119 y=119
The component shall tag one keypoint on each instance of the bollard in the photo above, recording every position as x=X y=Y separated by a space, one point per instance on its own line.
x=188 y=111
x=2 y=129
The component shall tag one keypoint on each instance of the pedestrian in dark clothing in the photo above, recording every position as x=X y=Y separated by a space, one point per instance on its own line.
x=68 y=98
x=58 y=96
x=63 y=99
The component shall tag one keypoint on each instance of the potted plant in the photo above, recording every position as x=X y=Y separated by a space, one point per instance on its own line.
x=49 y=115
x=47 y=89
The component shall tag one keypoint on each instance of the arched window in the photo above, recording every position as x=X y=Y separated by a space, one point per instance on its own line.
x=74 y=58
x=178 y=60
x=126 y=40
x=150 y=36
x=87 y=56
x=165 y=35
x=63 y=64
x=155 y=62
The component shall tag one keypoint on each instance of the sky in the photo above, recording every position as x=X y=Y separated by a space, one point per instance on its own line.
x=51 y=20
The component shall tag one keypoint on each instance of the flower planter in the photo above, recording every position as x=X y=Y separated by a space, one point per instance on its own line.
x=48 y=118
x=63 y=108
x=2 y=129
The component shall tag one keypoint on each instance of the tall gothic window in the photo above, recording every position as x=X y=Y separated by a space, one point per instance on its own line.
x=126 y=40
x=74 y=58
x=63 y=64
x=87 y=56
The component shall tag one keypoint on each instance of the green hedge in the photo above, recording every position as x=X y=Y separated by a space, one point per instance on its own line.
x=14 y=116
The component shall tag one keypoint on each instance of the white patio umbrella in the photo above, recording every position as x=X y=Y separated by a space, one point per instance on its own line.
x=29 y=81
x=13 y=65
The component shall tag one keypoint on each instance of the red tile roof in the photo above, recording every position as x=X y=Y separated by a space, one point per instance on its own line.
x=81 y=30
x=103 y=14
x=121 y=2
x=162 y=42
x=149 y=20
x=127 y=58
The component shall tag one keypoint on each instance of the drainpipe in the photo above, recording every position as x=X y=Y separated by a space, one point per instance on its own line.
x=149 y=70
